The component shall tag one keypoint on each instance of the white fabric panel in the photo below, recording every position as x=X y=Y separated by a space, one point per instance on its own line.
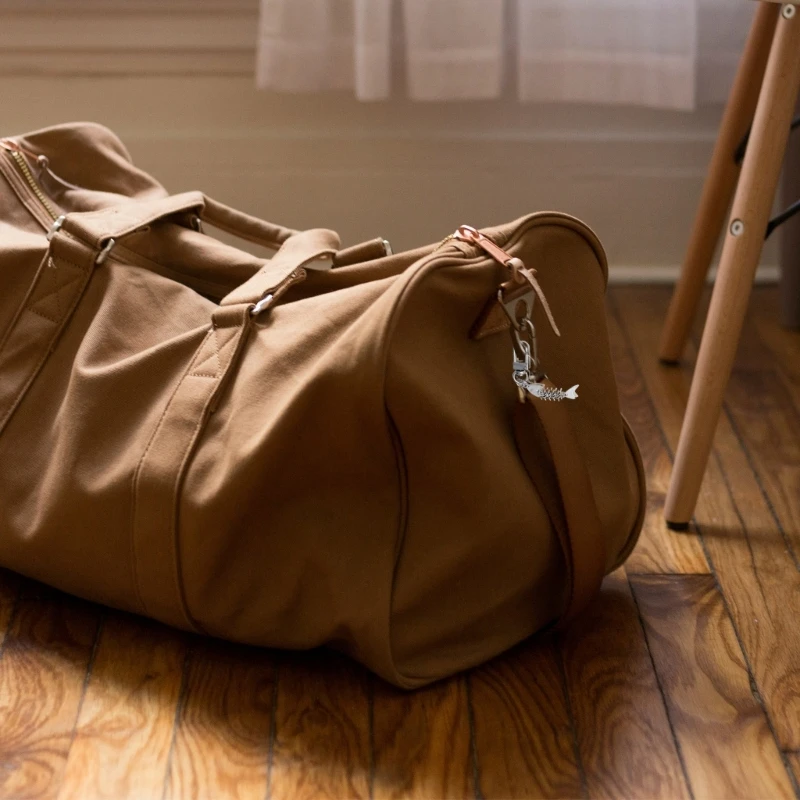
x=311 y=45
x=305 y=45
x=641 y=52
x=659 y=53
x=373 y=49
x=454 y=48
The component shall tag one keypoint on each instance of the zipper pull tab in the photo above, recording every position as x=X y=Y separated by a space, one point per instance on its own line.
x=13 y=147
x=466 y=233
x=55 y=227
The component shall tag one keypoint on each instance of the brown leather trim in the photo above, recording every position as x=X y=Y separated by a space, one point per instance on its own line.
x=359 y=253
x=492 y=318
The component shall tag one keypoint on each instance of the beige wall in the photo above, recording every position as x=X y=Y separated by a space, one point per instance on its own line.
x=174 y=80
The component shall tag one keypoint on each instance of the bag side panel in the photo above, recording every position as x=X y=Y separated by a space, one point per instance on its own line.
x=481 y=568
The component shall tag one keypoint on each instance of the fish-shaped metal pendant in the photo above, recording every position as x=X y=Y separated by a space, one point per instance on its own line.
x=544 y=392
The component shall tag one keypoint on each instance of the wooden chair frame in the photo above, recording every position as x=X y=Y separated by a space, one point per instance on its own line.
x=764 y=94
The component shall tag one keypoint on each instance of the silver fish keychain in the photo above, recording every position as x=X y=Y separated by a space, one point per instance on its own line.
x=544 y=392
x=530 y=379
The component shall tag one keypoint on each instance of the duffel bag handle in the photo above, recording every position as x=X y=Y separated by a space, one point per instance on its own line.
x=97 y=228
x=312 y=249
x=296 y=251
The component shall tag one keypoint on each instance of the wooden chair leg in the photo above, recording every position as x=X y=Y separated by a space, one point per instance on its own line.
x=720 y=184
x=740 y=256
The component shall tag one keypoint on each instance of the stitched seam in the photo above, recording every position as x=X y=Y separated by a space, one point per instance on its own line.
x=23 y=307
x=167 y=211
x=173 y=539
x=177 y=573
x=35 y=301
x=57 y=275
x=130 y=223
x=35 y=371
x=43 y=315
x=135 y=485
x=216 y=353
x=57 y=292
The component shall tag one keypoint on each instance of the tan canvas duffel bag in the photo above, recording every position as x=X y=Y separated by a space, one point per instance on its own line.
x=330 y=447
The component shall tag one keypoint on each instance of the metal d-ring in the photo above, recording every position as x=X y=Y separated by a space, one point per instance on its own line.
x=534 y=344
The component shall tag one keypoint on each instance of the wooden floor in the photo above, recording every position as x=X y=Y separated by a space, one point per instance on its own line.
x=683 y=682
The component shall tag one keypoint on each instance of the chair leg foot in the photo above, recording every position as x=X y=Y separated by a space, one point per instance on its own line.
x=677 y=526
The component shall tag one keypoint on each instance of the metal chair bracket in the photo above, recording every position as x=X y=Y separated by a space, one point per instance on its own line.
x=739 y=154
x=783 y=217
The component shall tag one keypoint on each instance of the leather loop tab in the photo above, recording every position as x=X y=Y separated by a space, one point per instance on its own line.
x=359 y=253
x=566 y=492
x=96 y=227
x=246 y=227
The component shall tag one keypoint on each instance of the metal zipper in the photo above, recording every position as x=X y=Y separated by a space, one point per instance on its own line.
x=18 y=155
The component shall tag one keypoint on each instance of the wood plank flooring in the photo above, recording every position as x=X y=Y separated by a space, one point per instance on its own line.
x=683 y=681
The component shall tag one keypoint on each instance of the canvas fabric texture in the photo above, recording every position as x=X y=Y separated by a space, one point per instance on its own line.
x=350 y=467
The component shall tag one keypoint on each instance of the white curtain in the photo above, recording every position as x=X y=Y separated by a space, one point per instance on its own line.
x=657 y=53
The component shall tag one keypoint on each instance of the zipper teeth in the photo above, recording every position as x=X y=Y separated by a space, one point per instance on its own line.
x=26 y=171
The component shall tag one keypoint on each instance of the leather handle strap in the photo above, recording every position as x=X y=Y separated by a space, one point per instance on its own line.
x=312 y=249
x=543 y=427
x=97 y=227
x=245 y=226
x=295 y=249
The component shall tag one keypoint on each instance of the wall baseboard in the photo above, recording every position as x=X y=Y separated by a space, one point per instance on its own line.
x=127 y=37
x=766 y=275
x=411 y=172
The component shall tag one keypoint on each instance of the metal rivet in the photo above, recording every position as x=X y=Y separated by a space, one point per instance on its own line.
x=789 y=11
x=263 y=303
x=737 y=227
x=103 y=254
x=55 y=227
